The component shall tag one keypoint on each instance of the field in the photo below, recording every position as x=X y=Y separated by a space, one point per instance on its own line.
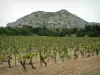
x=27 y=55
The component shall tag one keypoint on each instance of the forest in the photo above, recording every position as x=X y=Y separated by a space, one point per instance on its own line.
x=87 y=31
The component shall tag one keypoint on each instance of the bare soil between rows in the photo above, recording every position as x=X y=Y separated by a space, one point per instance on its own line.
x=82 y=66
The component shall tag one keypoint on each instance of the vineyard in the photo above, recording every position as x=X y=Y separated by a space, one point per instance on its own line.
x=25 y=50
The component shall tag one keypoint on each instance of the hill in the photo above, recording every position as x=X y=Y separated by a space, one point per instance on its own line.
x=59 y=19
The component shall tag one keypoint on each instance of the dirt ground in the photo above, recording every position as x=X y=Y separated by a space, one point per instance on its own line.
x=83 y=66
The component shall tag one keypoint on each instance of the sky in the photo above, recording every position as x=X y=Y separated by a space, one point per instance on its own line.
x=11 y=10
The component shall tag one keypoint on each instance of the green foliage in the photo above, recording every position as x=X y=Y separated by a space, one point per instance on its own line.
x=89 y=30
x=27 y=47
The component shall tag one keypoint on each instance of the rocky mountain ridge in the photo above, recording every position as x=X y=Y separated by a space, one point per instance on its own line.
x=59 y=19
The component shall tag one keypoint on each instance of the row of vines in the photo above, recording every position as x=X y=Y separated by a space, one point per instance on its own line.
x=23 y=49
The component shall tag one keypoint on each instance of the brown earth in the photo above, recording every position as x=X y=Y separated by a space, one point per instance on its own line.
x=83 y=66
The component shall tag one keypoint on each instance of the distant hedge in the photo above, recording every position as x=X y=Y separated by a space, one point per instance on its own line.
x=88 y=30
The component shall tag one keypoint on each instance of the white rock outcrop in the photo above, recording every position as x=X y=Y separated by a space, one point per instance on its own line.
x=60 y=19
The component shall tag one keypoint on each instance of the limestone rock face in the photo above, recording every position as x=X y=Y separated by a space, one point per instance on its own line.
x=59 y=19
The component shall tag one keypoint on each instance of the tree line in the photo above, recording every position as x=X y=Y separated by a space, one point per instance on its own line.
x=88 y=30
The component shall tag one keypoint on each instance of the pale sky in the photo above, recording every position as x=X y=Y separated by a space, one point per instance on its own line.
x=11 y=10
